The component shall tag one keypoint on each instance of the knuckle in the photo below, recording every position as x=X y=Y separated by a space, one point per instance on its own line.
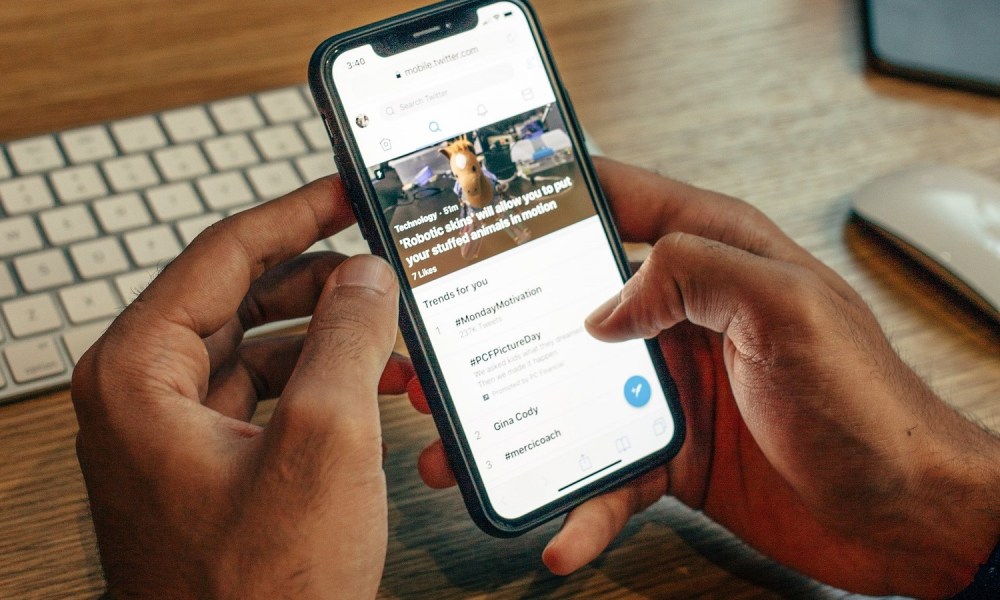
x=656 y=294
x=807 y=297
x=89 y=382
x=748 y=227
x=670 y=246
x=83 y=378
x=751 y=215
x=252 y=312
x=613 y=514
x=648 y=316
x=739 y=224
x=663 y=251
x=229 y=241
x=219 y=229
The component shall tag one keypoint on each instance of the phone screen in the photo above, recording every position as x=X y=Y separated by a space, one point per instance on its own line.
x=468 y=150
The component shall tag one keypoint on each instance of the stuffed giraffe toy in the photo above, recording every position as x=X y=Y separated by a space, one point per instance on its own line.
x=475 y=186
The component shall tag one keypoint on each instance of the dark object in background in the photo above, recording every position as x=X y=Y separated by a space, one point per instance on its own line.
x=947 y=42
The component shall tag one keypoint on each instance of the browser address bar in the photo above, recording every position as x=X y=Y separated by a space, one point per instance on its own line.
x=445 y=91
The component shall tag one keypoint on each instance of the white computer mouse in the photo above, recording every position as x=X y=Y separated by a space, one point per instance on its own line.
x=948 y=219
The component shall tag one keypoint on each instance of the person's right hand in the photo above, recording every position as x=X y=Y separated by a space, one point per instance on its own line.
x=807 y=436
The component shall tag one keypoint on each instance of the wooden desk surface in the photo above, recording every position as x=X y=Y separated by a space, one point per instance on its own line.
x=764 y=100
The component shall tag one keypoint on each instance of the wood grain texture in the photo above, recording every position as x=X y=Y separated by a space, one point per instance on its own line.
x=765 y=100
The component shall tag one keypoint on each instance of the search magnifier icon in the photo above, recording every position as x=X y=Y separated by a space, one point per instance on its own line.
x=434 y=126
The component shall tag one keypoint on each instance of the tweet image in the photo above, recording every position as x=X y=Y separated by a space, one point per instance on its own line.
x=475 y=196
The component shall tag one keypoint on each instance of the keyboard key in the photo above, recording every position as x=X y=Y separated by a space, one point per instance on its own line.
x=97 y=258
x=152 y=245
x=25 y=194
x=281 y=106
x=87 y=144
x=236 y=114
x=316 y=165
x=315 y=132
x=225 y=190
x=273 y=180
x=119 y=213
x=78 y=183
x=281 y=141
x=138 y=134
x=88 y=301
x=43 y=270
x=29 y=315
x=188 y=124
x=190 y=228
x=88 y=216
x=174 y=201
x=132 y=284
x=231 y=152
x=79 y=339
x=17 y=235
x=34 y=359
x=68 y=224
x=181 y=162
x=35 y=155
x=349 y=242
x=130 y=173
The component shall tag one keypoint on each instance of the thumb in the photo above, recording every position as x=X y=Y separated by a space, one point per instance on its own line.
x=708 y=283
x=332 y=394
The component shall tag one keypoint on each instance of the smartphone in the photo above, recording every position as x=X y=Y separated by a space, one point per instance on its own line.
x=951 y=43
x=468 y=173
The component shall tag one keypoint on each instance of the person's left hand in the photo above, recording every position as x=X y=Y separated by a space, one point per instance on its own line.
x=189 y=499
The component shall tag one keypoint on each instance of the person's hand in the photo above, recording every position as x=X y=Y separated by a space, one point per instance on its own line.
x=189 y=499
x=807 y=436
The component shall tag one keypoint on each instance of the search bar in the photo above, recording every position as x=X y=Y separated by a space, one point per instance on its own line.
x=452 y=89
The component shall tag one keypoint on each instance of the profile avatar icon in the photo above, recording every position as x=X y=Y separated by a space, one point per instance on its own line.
x=361 y=120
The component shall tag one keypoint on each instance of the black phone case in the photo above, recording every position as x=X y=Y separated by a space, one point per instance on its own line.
x=365 y=205
x=879 y=64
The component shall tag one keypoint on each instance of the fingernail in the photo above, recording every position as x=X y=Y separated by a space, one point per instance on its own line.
x=603 y=311
x=365 y=271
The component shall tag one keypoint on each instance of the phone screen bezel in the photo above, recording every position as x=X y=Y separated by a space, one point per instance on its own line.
x=376 y=227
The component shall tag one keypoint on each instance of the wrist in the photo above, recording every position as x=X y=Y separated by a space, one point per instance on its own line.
x=987 y=581
x=955 y=507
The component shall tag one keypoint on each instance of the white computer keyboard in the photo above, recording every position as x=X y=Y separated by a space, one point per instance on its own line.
x=89 y=216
